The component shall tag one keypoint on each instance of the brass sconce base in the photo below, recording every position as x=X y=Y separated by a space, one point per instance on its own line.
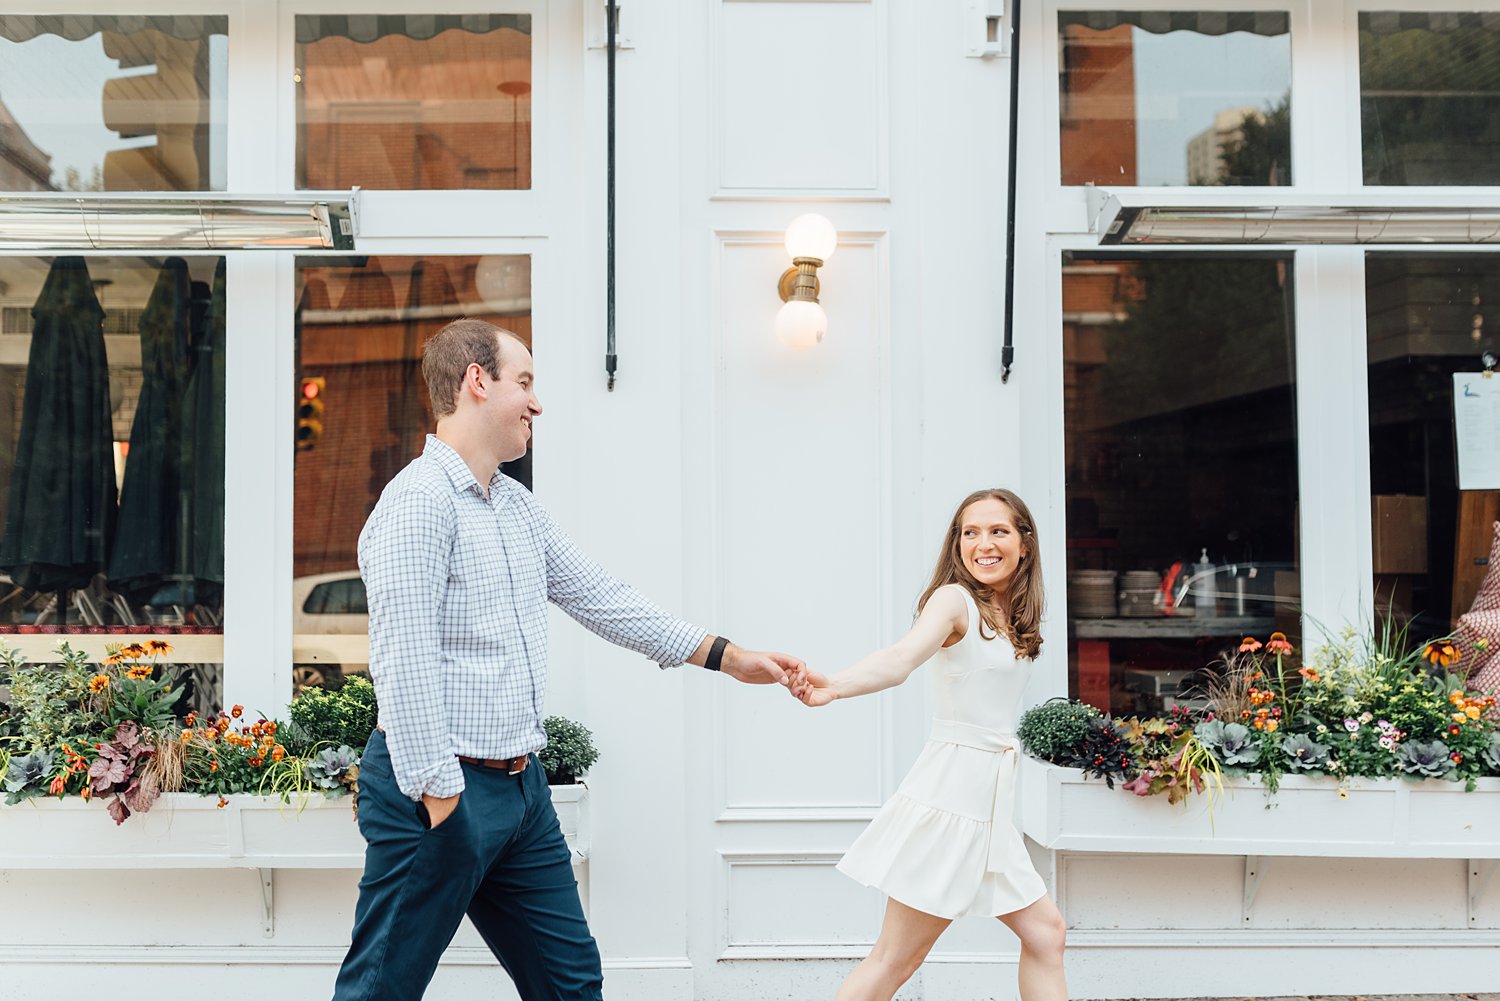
x=800 y=281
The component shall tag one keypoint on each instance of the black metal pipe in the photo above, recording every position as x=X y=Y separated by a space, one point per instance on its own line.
x=1008 y=350
x=611 y=29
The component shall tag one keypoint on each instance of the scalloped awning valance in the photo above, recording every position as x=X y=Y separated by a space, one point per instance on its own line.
x=309 y=27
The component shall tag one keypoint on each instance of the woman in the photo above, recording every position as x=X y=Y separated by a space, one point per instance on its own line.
x=944 y=846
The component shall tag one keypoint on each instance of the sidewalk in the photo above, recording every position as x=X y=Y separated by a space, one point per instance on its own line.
x=1346 y=997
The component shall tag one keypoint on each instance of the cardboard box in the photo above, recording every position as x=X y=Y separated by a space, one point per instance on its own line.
x=1398 y=534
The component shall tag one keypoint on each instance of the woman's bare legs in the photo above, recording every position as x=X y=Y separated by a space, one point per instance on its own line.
x=906 y=937
x=1042 y=932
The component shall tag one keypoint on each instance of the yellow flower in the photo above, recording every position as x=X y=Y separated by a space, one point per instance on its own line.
x=1271 y=725
x=98 y=682
x=158 y=647
x=134 y=650
x=138 y=673
x=1472 y=712
x=1459 y=717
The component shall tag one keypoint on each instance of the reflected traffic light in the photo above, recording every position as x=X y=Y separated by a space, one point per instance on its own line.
x=310 y=411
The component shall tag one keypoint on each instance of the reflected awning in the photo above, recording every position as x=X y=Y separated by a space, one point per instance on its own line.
x=369 y=27
x=76 y=27
x=1123 y=218
x=170 y=222
x=1160 y=22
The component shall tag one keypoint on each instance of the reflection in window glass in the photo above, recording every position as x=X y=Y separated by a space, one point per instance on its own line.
x=1430 y=97
x=414 y=101
x=1428 y=317
x=1175 y=98
x=361 y=324
x=113 y=103
x=1181 y=450
x=112 y=444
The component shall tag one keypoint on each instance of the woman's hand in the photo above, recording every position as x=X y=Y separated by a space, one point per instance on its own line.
x=811 y=688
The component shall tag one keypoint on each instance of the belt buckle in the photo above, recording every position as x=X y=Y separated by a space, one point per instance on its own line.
x=518 y=764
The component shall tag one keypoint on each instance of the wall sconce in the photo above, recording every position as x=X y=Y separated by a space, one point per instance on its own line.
x=801 y=323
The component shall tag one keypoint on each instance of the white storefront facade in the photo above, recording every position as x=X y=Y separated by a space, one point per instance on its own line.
x=794 y=500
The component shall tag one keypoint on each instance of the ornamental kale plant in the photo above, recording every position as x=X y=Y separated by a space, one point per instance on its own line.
x=26 y=775
x=333 y=768
x=1426 y=758
x=1303 y=753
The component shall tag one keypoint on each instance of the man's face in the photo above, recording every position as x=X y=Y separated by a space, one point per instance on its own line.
x=512 y=401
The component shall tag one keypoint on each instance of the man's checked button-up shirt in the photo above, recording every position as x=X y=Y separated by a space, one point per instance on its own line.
x=458 y=587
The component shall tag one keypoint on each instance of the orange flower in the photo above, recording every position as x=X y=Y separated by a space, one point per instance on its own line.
x=222 y=803
x=187 y=735
x=113 y=659
x=1309 y=674
x=1249 y=645
x=278 y=752
x=257 y=761
x=237 y=711
x=138 y=673
x=1271 y=725
x=1472 y=712
x=134 y=650
x=158 y=647
x=191 y=719
x=1459 y=717
x=1443 y=654
x=222 y=724
x=98 y=682
x=1278 y=644
x=213 y=765
x=270 y=727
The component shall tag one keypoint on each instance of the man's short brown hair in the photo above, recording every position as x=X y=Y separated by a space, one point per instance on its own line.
x=448 y=354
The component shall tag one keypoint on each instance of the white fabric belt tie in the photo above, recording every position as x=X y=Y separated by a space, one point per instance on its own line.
x=1009 y=748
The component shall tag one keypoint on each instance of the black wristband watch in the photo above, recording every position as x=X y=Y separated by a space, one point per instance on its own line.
x=716 y=653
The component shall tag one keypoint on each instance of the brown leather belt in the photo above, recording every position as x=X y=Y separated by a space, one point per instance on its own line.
x=512 y=766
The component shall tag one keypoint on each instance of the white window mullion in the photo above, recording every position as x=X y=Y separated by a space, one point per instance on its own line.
x=258 y=489
x=1333 y=454
x=1325 y=99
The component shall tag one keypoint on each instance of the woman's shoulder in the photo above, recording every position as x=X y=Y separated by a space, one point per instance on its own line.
x=955 y=601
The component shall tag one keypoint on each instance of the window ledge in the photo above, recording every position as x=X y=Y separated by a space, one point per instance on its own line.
x=188 y=831
x=1380 y=818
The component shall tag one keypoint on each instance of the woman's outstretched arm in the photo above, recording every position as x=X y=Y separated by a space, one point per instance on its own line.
x=946 y=615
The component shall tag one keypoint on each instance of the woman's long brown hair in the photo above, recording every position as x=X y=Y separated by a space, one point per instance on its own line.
x=1025 y=595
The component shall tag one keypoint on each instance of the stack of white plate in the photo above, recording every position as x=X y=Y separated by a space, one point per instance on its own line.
x=1091 y=594
x=1140 y=594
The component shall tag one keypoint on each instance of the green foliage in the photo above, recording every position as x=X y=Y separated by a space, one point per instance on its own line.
x=342 y=717
x=569 y=753
x=51 y=703
x=1263 y=152
x=1053 y=727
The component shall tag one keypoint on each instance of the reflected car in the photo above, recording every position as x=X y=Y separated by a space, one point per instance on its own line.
x=326 y=604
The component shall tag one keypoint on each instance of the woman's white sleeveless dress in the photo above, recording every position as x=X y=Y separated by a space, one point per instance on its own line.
x=945 y=842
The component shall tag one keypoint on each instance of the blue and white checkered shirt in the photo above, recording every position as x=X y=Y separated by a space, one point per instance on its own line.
x=458 y=588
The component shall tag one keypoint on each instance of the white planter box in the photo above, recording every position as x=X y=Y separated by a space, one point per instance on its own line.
x=187 y=831
x=1381 y=818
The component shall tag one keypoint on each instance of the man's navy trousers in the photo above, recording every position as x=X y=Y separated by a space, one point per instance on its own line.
x=499 y=857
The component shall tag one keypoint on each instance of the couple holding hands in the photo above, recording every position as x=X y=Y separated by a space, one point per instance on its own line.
x=460 y=562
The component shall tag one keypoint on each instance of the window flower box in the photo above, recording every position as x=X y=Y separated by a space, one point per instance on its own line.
x=1307 y=816
x=188 y=831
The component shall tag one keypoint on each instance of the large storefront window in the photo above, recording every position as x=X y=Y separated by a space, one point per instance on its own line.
x=412 y=101
x=113 y=103
x=1429 y=317
x=1430 y=97
x=1181 y=452
x=112 y=449
x=364 y=414
x=1175 y=97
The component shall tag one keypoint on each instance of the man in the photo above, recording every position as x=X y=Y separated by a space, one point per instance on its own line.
x=459 y=561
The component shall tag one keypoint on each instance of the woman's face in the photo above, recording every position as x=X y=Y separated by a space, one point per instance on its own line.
x=989 y=543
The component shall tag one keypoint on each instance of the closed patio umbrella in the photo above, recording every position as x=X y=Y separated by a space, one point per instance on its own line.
x=61 y=517
x=148 y=547
x=203 y=452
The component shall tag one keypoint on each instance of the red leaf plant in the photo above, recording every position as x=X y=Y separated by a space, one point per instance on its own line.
x=119 y=771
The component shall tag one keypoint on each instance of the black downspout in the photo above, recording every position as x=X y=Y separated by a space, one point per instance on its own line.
x=1008 y=351
x=611 y=29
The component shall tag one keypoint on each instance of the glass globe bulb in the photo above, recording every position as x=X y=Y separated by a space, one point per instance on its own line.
x=811 y=235
x=801 y=325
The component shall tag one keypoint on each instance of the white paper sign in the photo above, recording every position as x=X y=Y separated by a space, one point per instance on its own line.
x=1476 y=418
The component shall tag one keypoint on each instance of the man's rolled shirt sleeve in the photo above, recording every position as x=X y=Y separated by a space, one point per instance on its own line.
x=609 y=607
x=403 y=557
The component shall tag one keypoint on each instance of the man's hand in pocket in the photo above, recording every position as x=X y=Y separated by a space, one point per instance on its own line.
x=438 y=810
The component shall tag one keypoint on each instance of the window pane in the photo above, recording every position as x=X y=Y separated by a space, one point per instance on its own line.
x=104 y=103
x=112 y=430
x=1181 y=450
x=411 y=101
x=1175 y=98
x=1428 y=317
x=361 y=324
x=1430 y=97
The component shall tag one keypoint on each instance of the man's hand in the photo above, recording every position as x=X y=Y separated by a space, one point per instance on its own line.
x=811 y=688
x=755 y=668
x=439 y=810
